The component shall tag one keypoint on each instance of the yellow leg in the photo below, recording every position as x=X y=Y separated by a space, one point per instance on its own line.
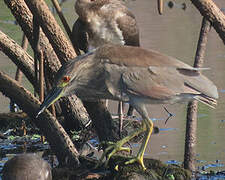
x=140 y=155
x=115 y=147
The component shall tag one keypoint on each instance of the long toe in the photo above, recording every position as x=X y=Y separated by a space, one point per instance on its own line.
x=111 y=150
x=139 y=160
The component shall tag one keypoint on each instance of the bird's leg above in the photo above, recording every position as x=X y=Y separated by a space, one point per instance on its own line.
x=120 y=112
x=147 y=125
x=116 y=147
x=140 y=156
x=130 y=111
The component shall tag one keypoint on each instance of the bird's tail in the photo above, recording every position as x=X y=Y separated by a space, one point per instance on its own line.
x=209 y=101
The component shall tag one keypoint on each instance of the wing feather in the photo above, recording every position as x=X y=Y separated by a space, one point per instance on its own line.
x=165 y=82
x=142 y=82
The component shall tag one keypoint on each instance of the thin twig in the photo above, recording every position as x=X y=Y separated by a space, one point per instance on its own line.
x=65 y=24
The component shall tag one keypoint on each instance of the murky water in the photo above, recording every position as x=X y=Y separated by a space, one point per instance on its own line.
x=176 y=33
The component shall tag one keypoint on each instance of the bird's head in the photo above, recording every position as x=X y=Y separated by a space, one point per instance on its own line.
x=67 y=79
x=57 y=92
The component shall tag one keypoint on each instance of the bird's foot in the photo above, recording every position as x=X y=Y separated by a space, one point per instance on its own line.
x=138 y=159
x=111 y=150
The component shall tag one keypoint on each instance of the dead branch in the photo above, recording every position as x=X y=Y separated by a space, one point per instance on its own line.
x=24 y=45
x=60 y=142
x=209 y=9
x=24 y=18
x=72 y=110
x=52 y=30
x=65 y=24
x=18 y=56
x=192 y=108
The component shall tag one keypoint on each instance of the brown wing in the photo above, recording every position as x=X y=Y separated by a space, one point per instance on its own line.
x=157 y=82
x=128 y=25
x=142 y=82
x=135 y=56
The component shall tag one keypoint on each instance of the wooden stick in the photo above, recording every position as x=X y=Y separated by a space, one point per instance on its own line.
x=65 y=24
x=53 y=31
x=209 y=9
x=191 y=124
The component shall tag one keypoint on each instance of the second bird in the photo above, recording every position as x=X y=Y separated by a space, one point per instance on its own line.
x=101 y=22
x=104 y=21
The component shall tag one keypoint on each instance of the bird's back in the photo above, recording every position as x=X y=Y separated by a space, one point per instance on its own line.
x=154 y=75
x=135 y=56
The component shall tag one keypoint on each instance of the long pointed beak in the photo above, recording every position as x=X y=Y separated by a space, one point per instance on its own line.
x=52 y=97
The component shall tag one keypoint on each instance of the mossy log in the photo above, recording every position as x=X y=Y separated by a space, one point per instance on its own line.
x=156 y=170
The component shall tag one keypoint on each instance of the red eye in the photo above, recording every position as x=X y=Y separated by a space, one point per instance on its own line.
x=66 y=79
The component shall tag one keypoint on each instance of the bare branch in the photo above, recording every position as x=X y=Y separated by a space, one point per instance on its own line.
x=50 y=27
x=210 y=10
x=18 y=56
x=60 y=142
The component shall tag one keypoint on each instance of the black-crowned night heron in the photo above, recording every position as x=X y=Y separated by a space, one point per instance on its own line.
x=133 y=75
x=101 y=22
x=104 y=21
x=26 y=166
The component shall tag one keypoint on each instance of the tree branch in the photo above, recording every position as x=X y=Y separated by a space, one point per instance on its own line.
x=73 y=109
x=50 y=27
x=60 y=142
x=209 y=9
x=18 y=56
x=24 y=18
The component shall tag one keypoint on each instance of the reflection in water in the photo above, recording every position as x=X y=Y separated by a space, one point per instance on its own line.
x=167 y=129
x=173 y=162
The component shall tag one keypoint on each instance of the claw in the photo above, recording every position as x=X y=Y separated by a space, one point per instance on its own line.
x=114 y=148
x=111 y=150
x=117 y=167
x=138 y=160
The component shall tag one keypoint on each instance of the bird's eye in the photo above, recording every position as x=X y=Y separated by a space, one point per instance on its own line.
x=66 y=79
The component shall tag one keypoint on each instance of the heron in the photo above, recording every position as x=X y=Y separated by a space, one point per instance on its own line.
x=104 y=21
x=134 y=75
x=101 y=22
